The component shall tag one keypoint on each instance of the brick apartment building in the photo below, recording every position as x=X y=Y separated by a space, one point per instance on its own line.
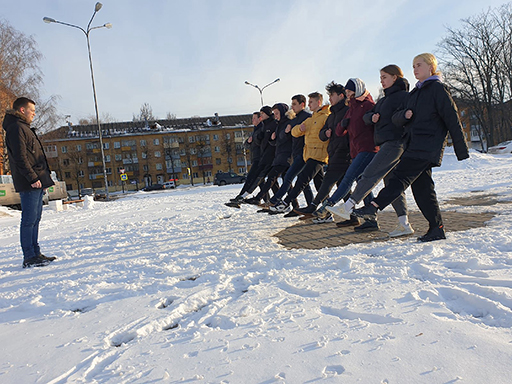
x=190 y=150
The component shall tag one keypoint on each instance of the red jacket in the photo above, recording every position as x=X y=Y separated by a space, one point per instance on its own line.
x=360 y=135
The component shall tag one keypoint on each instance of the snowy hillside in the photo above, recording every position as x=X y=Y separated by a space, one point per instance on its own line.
x=175 y=287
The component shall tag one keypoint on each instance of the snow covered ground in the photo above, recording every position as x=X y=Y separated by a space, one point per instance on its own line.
x=175 y=287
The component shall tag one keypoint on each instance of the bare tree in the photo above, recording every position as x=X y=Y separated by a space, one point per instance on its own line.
x=477 y=64
x=105 y=118
x=170 y=116
x=145 y=114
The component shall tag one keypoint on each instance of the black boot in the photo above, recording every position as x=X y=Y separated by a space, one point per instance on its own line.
x=436 y=233
x=349 y=223
x=368 y=212
x=368 y=226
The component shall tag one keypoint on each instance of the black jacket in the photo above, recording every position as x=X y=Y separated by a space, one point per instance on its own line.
x=298 y=142
x=434 y=115
x=26 y=155
x=338 y=148
x=394 y=97
x=253 y=146
x=263 y=140
x=283 y=140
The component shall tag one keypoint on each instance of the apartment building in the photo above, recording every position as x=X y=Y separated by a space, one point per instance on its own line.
x=190 y=151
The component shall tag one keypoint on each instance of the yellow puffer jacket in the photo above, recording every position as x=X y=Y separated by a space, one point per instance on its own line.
x=314 y=148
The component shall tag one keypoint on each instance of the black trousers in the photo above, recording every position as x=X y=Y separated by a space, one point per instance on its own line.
x=263 y=171
x=253 y=173
x=416 y=173
x=271 y=182
x=310 y=170
x=330 y=178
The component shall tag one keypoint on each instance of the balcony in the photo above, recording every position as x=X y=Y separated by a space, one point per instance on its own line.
x=239 y=139
x=51 y=154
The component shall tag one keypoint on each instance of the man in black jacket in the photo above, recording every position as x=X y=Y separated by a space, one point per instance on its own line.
x=30 y=174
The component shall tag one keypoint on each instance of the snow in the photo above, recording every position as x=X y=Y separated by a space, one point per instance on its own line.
x=172 y=286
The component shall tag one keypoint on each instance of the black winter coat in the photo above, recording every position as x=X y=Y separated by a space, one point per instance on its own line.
x=26 y=155
x=434 y=115
x=394 y=97
x=253 y=146
x=263 y=140
x=283 y=143
x=338 y=148
x=298 y=142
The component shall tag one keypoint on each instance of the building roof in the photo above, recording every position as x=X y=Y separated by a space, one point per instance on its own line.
x=141 y=127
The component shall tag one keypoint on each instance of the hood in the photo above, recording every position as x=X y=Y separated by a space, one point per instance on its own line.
x=282 y=108
x=401 y=84
x=420 y=84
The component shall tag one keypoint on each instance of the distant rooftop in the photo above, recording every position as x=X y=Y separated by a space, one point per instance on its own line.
x=141 y=127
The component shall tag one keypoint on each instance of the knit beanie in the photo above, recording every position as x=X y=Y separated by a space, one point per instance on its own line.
x=356 y=85
x=267 y=110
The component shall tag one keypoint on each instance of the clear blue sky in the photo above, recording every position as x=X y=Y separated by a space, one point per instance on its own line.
x=192 y=57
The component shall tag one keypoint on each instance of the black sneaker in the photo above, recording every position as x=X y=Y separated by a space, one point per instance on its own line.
x=51 y=258
x=349 y=223
x=306 y=210
x=237 y=199
x=292 y=214
x=232 y=204
x=368 y=226
x=35 y=262
x=368 y=212
x=252 y=201
x=433 y=234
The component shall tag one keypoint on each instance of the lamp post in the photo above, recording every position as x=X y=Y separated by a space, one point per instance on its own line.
x=261 y=89
x=86 y=32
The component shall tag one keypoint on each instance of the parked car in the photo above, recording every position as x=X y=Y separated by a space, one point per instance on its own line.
x=505 y=147
x=169 y=185
x=153 y=187
x=100 y=194
x=223 y=178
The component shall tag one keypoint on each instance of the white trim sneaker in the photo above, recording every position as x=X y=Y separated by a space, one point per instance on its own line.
x=339 y=210
x=325 y=219
x=402 y=230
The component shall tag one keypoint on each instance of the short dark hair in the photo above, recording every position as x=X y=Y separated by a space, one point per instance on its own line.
x=22 y=102
x=316 y=95
x=257 y=114
x=299 y=99
x=333 y=87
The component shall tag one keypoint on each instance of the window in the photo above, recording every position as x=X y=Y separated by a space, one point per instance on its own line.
x=117 y=144
x=241 y=170
x=65 y=162
x=193 y=151
x=106 y=145
x=239 y=134
x=156 y=141
x=81 y=174
x=230 y=160
x=195 y=175
x=215 y=137
x=194 y=163
x=144 y=155
x=67 y=175
x=191 y=139
x=64 y=149
x=119 y=157
x=218 y=161
x=158 y=166
x=185 y=176
x=228 y=136
x=80 y=160
x=208 y=174
x=217 y=149
x=143 y=143
x=158 y=154
x=79 y=148
x=107 y=158
x=145 y=168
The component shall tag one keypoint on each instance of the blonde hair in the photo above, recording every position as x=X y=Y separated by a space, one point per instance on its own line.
x=431 y=60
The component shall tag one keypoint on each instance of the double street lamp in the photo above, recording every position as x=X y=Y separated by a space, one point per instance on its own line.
x=86 y=32
x=261 y=89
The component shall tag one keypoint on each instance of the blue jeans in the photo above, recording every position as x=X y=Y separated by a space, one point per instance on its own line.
x=31 y=210
x=297 y=166
x=354 y=171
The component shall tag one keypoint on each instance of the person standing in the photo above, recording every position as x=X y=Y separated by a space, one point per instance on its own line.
x=428 y=115
x=30 y=174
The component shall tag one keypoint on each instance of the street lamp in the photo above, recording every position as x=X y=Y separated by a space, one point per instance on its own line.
x=97 y=7
x=261 y=89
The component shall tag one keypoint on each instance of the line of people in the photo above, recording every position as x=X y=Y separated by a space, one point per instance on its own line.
x=398 y=140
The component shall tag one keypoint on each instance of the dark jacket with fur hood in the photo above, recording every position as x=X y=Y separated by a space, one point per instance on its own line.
x=338 y=148
x=26 y=155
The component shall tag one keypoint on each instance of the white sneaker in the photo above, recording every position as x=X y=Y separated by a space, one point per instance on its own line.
x=339 y=210
x=280 y=207
x=402 y=230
